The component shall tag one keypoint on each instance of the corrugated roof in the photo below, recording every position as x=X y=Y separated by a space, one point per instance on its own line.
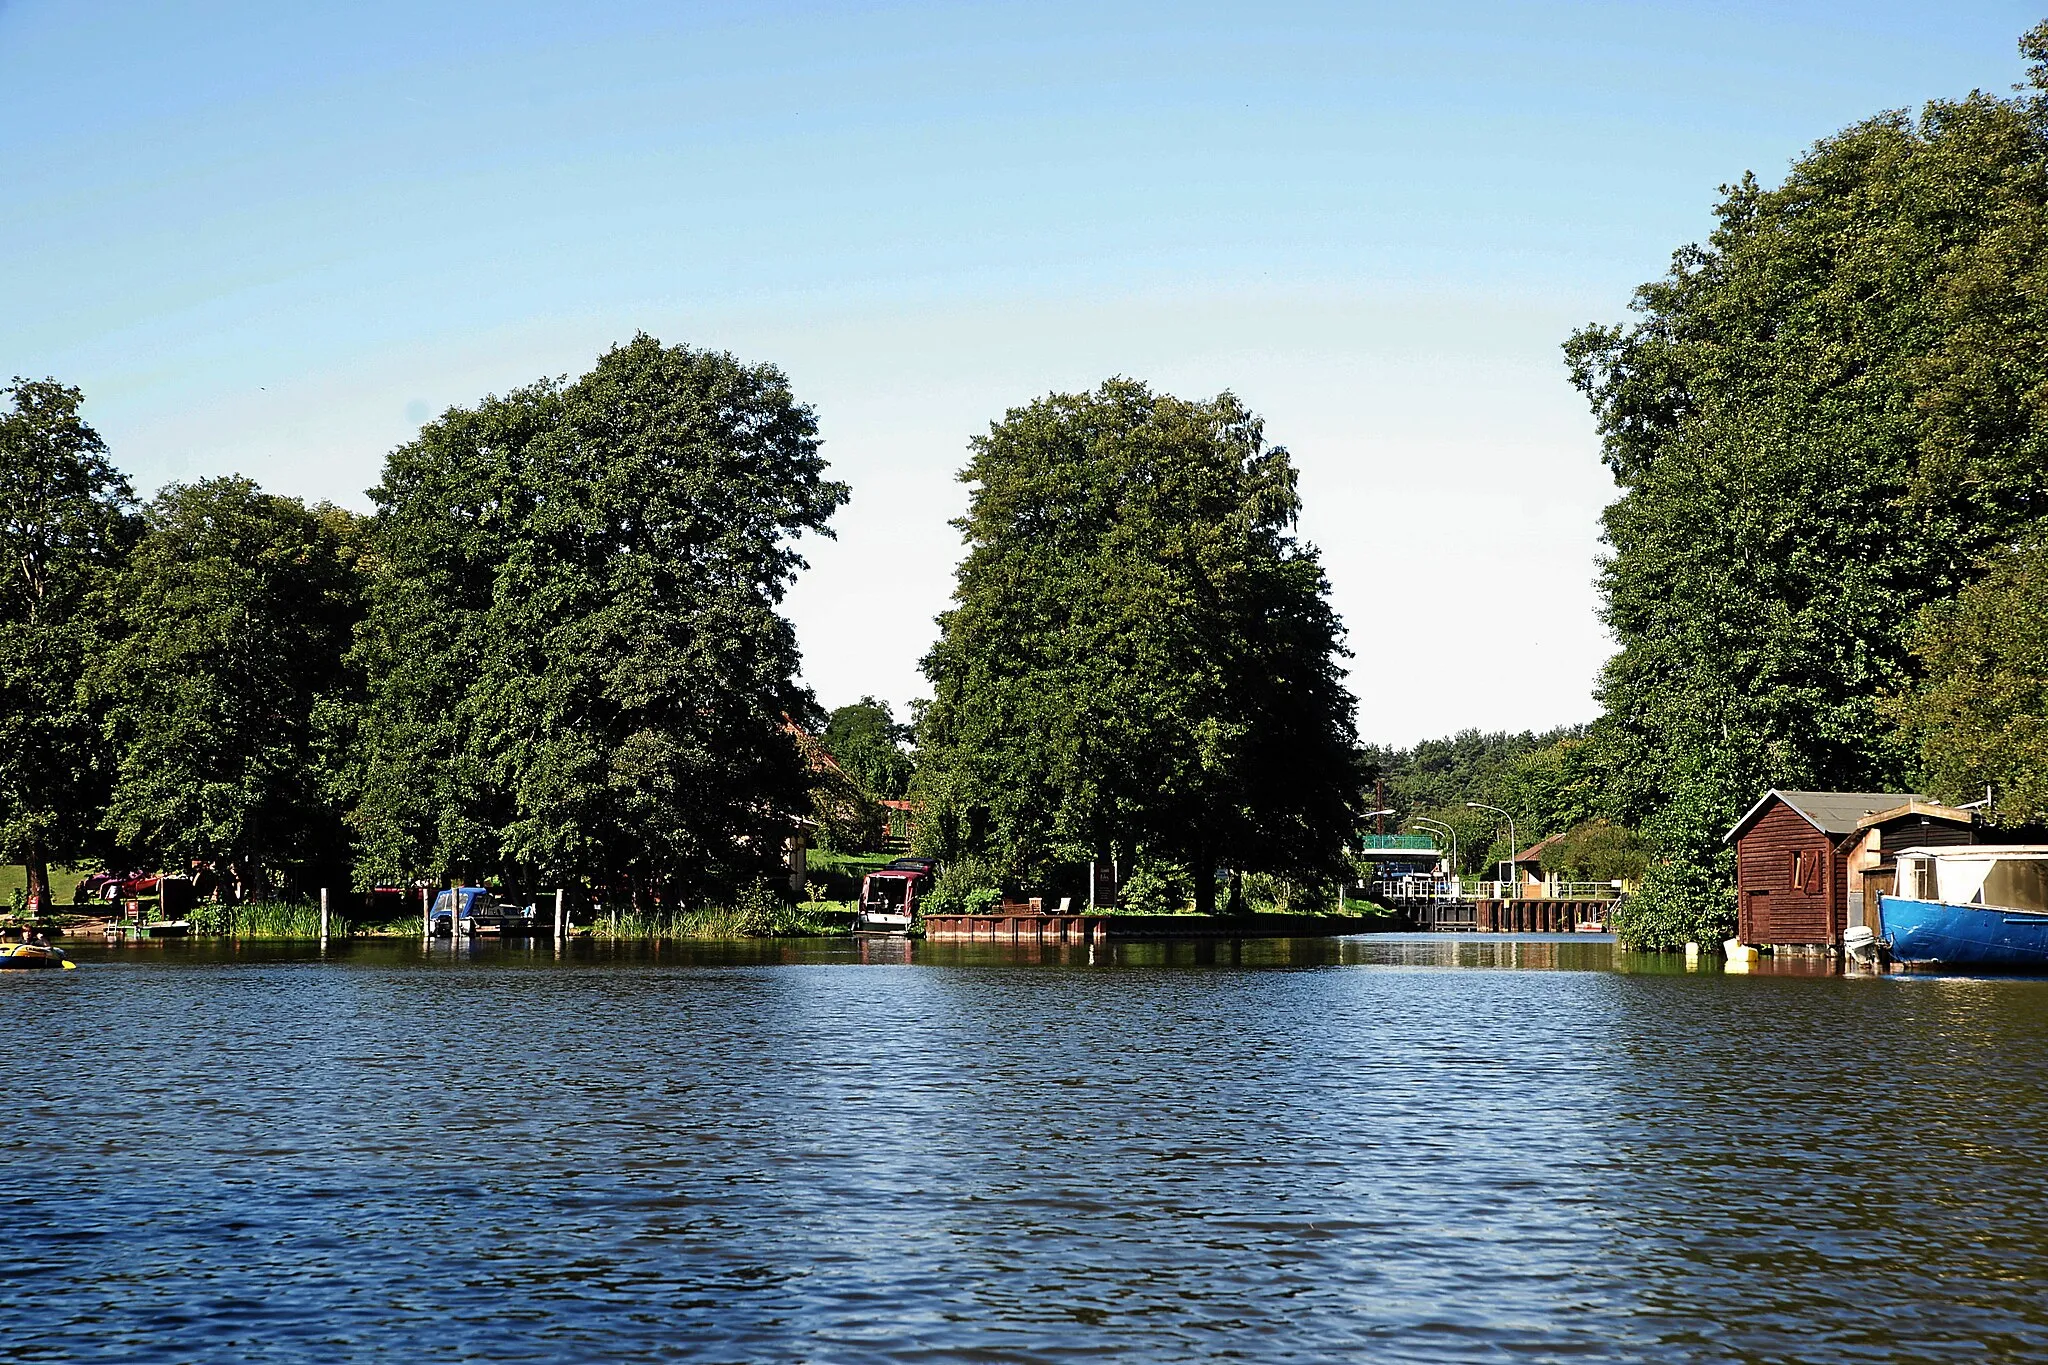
x=1832 y=813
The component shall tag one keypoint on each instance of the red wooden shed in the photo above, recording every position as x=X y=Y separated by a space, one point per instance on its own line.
x=1791 y=869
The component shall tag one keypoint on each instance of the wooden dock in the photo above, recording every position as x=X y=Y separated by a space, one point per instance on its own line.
x=1053 y=927
x=1534 y=915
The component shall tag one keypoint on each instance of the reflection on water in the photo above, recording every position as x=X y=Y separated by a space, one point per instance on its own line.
x=1362 y=1149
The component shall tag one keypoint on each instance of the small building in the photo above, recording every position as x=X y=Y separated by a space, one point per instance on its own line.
x=1531 y=877
x=1792 y=863
x=1872 y=851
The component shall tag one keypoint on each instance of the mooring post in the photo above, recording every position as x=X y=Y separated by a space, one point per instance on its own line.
x=323 y=917
x=561 y=924
x=426 y=917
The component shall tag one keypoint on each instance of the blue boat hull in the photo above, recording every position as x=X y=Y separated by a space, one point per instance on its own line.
x=1981 y=936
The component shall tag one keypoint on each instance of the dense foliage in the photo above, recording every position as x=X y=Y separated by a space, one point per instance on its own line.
x=224 y=634
x=1981 y=717
x=864 y=739
x=1140 y=660
x=1545 y=781
x=846 y=815
x=574 y=662
x=66 y=521
x=1822 y=420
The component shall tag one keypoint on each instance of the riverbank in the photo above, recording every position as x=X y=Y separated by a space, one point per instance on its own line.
x=294 y=922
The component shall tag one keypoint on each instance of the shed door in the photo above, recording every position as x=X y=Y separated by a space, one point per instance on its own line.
x=1756 y=916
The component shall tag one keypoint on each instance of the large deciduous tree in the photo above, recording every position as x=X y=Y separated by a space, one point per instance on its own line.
x=1980 y=718
x=66 y=519
x=1821 y=421
x=865 y=740
x=1140 y=659
x=574 y=661
x=226 y=633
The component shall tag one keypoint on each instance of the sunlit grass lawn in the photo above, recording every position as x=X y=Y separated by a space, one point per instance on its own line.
x=13 y=878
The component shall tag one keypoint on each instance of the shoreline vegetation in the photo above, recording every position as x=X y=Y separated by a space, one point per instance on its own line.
x=554 y=654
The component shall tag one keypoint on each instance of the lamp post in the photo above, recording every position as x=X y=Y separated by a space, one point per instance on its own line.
x=1504 y=881
x=1433 y=826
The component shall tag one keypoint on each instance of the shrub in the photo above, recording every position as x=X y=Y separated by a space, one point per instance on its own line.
x=965 y=886
x=1679 y=903
x=1156 y=888
x=760 y=910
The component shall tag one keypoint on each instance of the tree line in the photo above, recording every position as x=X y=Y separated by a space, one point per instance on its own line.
x=1829 y=429
x=554 y=653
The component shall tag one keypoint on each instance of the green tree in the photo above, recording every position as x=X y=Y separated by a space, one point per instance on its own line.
x=66 y=520
x=1140 y=658
x=864 y=739
x=227 y=628
x=1600 y=851
x=848 y=817
x=1820 y=422
x=1981 y=717
x=574 y=663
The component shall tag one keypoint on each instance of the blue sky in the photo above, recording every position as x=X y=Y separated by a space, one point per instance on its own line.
x=273 y=239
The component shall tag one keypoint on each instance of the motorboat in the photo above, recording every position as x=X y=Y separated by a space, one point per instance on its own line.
x=1978 y=906
x=481 y=912
x=889 y=895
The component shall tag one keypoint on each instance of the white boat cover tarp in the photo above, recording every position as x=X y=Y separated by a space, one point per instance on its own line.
x=2019 y=883
x=1958 y=880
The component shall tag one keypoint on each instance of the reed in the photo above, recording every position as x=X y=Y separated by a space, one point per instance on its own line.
x=812 y=919
x=265 y=919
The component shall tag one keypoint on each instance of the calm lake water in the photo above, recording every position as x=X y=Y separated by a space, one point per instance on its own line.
x=1363 y=1149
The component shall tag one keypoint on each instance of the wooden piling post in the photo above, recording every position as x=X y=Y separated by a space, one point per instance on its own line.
x=561 y=923
x=426 y=917
x=323 y=917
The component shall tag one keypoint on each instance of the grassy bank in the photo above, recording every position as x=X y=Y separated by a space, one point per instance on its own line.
x=836 y=876
x=264 y=919
x=283 y=920
x=14 y=882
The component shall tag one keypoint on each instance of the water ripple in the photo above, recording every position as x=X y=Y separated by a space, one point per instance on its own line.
x=1306 y=1151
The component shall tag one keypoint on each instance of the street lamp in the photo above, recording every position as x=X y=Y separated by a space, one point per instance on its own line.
x=1510 y=863
x=1433 y=826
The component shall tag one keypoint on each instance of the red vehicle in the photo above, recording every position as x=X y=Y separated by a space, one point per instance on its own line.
x=889 y=895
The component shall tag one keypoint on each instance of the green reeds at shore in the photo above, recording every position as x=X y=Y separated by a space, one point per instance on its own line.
x=288 y=920
x=264 y=919
x=811 y=919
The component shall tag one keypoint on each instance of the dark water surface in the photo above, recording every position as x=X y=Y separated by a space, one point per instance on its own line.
x=1304 y=1150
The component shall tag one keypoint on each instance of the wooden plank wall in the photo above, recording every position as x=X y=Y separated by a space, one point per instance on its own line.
x=1771 y=908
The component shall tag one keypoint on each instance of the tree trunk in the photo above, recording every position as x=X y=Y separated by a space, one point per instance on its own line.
x=1205 y=884
x=1235 y=906
x=37 y=869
